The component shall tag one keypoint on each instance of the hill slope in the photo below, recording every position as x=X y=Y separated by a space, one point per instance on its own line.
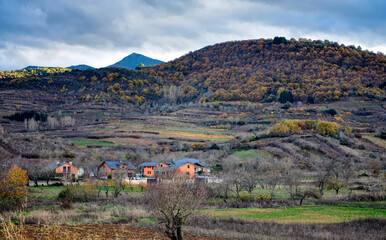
x=80 y=67
x=99 y=85
x=134 y=59
x=262 y=69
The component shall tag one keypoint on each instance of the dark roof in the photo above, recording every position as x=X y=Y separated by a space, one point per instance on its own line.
x=116 y=164
x=175 y=165
x=149 y=164
x=185 y=161
x=59 y=164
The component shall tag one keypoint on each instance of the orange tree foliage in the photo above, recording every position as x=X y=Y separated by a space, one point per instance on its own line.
x=14 y=185
x=256 y=70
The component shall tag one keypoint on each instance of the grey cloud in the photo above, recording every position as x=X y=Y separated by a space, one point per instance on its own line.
x=115 y=25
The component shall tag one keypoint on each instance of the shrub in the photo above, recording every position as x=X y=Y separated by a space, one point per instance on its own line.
x=286 y=127
x=286 y=106
x=263 y=197
x=198 y=146
x=331 y=111
x=327 y=128
x=245 y=197
x=252 y=138
x=348 y=129
x=286 y=96
x=310 y=124
x=66 y=195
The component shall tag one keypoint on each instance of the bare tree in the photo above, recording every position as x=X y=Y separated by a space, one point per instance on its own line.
x=31 y=125
x=172 y=202
x=273 y=170
x=252 y=173
x=234 y=174
x=47 y=171
x=324 y=170
x=33 y=167
x=52 y=123
x=171 y=93
x=67 y=121
x=118 y=181
x=292 y=182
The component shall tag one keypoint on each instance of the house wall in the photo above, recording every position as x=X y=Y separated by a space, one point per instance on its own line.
x=187 y=170
x=72 y=173
x=148 y=171
x=104 y=170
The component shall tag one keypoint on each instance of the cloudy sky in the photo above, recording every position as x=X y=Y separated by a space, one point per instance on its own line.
x=101 y=32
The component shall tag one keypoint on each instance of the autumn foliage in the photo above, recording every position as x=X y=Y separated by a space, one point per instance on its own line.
x=269 y=70
x=287 y=127
x=13 y=186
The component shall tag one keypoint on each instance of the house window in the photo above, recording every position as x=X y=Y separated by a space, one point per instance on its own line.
x=148 y=172
x=187 y=174
x=188 y=166
x=64 y=169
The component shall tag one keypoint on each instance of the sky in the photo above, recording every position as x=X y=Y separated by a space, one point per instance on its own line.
x=101 y=32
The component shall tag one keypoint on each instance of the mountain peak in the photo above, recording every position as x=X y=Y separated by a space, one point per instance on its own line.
x=134 y=59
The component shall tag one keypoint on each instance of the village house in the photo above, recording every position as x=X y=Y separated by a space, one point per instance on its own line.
x=127 y=169
x=201 y=168
x=188 y=167
x=182 y=169
x=66 y=171
x=148 y=168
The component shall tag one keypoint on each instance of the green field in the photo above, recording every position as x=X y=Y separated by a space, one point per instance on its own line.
x=304 y=214
x=84 y=143
x=246 y=154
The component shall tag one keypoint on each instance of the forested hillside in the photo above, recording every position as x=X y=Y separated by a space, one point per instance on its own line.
x=262 y=70
x=98 y=85
x=257 y=70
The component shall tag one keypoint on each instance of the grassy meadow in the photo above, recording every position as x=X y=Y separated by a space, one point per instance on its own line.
x=302 y=214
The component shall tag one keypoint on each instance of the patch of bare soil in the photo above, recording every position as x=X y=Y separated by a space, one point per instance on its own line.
x=98 y=231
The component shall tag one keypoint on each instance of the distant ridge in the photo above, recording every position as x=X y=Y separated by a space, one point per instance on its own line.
x=80 y=67
x=134 y=59
x=32 y=67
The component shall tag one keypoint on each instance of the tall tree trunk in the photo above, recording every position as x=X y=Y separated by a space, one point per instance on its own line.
x=179 y=234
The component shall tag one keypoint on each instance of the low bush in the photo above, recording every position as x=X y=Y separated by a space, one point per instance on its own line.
x=287 y=127
x=245 y=197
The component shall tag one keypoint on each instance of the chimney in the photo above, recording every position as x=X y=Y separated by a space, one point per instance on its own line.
x=57 y=163
x=70 y=163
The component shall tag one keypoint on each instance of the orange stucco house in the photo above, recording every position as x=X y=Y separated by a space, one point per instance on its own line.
x=113 y=167
x=181 y=169
x=148 y=168
x=66 y=170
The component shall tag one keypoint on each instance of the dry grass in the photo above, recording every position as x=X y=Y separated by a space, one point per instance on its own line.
x=195 y=135
x=377 y=141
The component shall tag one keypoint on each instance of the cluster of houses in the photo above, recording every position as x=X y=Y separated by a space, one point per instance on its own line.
x=188 y=167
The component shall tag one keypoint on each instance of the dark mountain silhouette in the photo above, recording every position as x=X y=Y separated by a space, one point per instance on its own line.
x=134 y=59
x=32 y=67
x=80 y=67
